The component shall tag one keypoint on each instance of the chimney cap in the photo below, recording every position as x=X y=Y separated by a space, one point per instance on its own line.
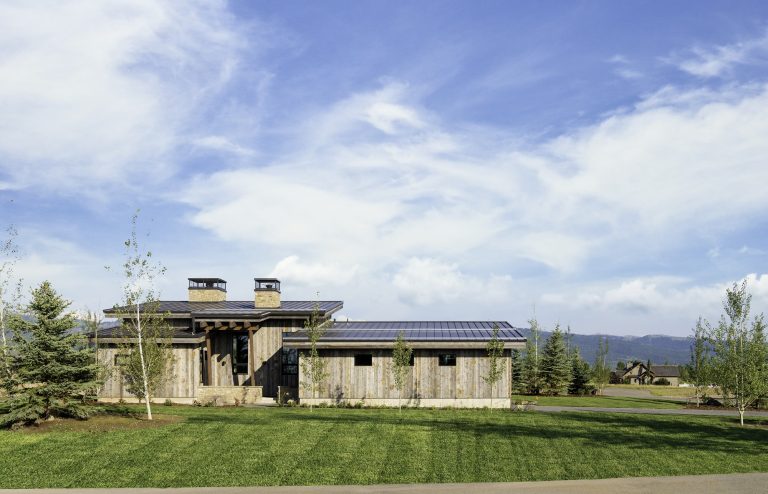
x=207 y=284
x=267 y=284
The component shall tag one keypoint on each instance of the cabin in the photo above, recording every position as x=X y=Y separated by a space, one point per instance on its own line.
x=249 y=352
x=638 y=373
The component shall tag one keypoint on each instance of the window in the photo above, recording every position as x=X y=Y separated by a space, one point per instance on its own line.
x=290 y=362
x=411 y=361
x=447 y=359
x=363 y=360
x=121 y=359
x=240 y=355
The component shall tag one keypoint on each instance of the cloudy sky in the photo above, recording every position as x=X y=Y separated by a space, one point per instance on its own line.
x=605 y=162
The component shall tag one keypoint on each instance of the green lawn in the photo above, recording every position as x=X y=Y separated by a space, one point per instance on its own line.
x=598 y=401
x=274 y=446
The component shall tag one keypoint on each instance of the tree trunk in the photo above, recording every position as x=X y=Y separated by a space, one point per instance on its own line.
x=143 y=364
x=399 y=401
x=741 y=416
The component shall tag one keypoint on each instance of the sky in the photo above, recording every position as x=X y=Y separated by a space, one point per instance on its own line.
x=598 y=164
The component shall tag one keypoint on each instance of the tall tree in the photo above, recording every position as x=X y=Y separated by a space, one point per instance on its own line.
x=601 y=371
x=92 y=324
x=401 y=364
x=698 y=370
x=516 y=385
x=555 y=364
x=740 y=359
x=10 y=295
x=531 y=374
x=579 y=384
x=54 y=369
x=313 y=367
x=495 y=348
x=146 y=353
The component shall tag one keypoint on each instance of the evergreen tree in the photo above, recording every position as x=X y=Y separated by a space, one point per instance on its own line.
x=579 y=384
x=55 y=371
x=531 y=369
x=555 y=364
x=517 y=386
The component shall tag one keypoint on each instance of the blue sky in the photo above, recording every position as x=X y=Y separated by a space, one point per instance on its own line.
x=604 y=162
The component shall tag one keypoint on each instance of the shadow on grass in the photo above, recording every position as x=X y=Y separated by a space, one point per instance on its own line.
x=713 y=434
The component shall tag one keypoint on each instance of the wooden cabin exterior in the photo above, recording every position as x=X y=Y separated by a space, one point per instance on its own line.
x=248 y=351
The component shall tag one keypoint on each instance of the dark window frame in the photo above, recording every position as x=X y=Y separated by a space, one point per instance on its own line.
x=363 y=360
x=240 y=342
x=446 y=360
x=289 y=366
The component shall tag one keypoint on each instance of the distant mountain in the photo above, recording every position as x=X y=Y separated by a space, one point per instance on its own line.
x=660 y=349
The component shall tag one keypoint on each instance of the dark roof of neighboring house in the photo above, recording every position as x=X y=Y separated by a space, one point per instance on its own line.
x=116 y=332
x=413 y=331
x=234 y=308
x=665 y=370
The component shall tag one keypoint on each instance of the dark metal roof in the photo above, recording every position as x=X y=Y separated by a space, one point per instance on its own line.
x=203 y=280
x=665 y=370
x=116 y=332
x=240 y=307
x=413 y=331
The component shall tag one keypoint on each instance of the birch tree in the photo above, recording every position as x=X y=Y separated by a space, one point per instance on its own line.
x=10 y=296
x=401 y=363
x=145 y=332
x=495 y=348
x=698 y=369
x=531 y=371
x=314 y=369
x=601 y=371
x=740 y=359
x=92 y=324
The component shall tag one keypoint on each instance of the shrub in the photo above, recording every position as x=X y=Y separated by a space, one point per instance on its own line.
x=662 y=381
x=168 y=402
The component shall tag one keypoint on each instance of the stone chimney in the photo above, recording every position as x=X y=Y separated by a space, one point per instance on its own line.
x=266 y=293
x=207 y=290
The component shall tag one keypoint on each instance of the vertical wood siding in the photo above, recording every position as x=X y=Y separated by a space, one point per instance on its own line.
x=426 y=379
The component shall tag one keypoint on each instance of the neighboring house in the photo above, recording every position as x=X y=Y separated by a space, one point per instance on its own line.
x=249 y=350
x=637 y=373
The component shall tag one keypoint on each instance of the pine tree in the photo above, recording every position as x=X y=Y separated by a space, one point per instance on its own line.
x=579 y=374
x=555 y=364
x=54 y=369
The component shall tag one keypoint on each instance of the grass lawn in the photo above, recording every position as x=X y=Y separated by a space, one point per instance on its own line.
x=598 y=401
x=277 y=446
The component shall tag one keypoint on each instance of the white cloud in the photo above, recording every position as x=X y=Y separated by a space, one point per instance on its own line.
x=427 y=281
x=221 y=143
x=717 y=61
x=315 y=275
x=101 y=93
x=663 y=295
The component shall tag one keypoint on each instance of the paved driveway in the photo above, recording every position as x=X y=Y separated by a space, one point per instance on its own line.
x=748 y=483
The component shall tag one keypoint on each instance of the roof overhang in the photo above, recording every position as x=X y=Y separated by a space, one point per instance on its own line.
x=422 y=345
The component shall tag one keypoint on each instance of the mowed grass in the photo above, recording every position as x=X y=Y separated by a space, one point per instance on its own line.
x=295 y=446
x=598 y=401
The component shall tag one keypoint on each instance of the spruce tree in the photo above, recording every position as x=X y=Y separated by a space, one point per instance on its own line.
x=580 y=374
x=54 y=369
x=555 y=364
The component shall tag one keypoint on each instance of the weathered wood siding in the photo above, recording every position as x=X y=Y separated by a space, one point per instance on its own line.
x=183 y=378
x=426 y=379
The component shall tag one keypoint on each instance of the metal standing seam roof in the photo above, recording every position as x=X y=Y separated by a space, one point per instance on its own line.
x=231 y=307
x=413 y=331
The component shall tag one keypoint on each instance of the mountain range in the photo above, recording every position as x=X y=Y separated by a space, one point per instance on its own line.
x=659 y=349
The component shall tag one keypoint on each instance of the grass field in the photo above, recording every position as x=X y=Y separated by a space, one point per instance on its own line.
x=598 y=401
x=274 y=446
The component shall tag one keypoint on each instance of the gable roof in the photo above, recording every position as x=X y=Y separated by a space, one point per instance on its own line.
x=382 y=334
x=238 y=308
x=665 y=370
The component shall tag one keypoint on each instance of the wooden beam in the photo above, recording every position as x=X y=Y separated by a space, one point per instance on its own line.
x=232 y=324
x=251 y=364
x=217 y=324
x=247 y=324
x=209 y=351
x=203 y=324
